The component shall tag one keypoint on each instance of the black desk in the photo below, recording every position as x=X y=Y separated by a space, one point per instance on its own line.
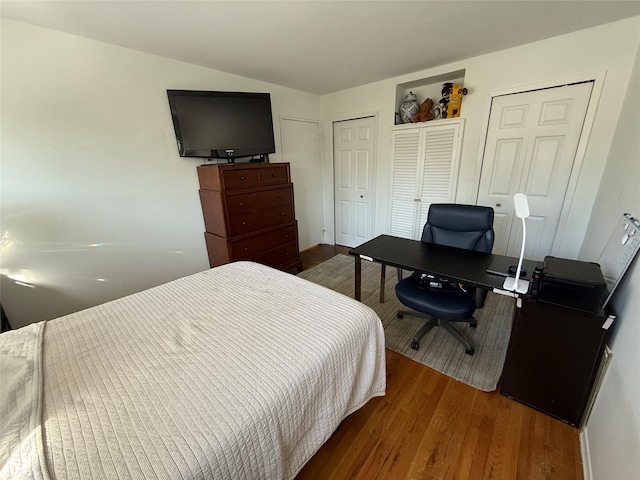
x=465 y=266
x=554 y=350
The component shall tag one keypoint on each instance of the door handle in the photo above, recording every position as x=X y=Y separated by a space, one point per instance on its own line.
x=498 y=204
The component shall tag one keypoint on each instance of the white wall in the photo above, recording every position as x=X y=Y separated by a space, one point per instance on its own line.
x=612 y=435
x=607 y=49
x=96 y=202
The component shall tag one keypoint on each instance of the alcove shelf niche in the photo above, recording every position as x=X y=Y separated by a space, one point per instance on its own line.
x=430 y=87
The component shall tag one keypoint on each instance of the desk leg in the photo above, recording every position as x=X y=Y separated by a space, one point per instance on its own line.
x=383 y=270
x=358 y=276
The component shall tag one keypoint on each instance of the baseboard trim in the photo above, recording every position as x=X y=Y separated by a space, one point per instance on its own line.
x=586 y=456
x=584 y=438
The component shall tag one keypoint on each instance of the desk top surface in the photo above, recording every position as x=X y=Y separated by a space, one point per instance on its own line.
x=463 y=265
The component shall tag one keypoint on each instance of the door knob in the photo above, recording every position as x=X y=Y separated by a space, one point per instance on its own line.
x=361 y=196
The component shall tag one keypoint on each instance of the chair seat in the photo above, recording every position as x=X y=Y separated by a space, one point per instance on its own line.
x=450 y=305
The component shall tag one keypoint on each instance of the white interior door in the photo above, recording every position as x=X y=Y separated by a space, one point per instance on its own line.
x=353 y=157
x=301 y=147
x=531 y=145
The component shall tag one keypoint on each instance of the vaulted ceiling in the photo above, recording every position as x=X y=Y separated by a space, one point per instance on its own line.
x=318 y=46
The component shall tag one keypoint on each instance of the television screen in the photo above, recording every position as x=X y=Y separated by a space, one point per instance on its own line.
x=222 y=124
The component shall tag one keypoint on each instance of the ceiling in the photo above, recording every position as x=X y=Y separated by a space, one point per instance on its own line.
x=318 y=46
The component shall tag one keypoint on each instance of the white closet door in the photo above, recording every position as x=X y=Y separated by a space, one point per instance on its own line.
x=406 y=152
x=439 y=170
x=531 y=145
x=425 y=171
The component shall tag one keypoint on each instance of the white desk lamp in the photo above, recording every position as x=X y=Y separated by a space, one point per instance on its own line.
x=522 y=211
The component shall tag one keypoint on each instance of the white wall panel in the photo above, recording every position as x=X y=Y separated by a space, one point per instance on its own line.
x=608 y=49
x=611 y=439
x=96 y=202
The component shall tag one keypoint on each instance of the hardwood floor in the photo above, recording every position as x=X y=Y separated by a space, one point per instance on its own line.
x=430 y=426
x=320 y=253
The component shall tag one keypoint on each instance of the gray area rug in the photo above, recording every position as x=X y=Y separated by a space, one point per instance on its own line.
x=438 y=349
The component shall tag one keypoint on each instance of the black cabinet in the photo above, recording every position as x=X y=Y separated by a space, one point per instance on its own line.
x=553 y=358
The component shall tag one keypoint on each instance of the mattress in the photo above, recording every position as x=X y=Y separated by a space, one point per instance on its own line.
x=238 y=372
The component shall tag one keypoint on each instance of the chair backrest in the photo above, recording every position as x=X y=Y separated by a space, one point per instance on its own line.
x=463 y=226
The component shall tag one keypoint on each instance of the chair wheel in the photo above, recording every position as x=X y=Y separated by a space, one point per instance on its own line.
x=415 y=345
x=399 y=315
x=469 y=351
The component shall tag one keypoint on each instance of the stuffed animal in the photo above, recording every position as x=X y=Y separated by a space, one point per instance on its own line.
x=446 y=91
x=440 y=110
x=455 y=100
x=424 y=114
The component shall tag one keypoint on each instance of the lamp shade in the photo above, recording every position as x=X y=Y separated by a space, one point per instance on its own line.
x=521 y=204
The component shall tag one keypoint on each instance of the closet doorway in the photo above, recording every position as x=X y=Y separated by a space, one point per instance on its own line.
x=301 y=147
x=531 y=145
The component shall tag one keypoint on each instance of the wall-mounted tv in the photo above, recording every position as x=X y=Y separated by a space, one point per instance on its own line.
x=226 y=125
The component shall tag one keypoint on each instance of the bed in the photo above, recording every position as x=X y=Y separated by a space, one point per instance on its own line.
x=238 y=372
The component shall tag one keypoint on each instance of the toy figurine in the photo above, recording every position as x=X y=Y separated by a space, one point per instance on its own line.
x=440 y=110
x=455 y=100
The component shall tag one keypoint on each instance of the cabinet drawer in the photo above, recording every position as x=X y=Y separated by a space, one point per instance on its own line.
x=253 y=246
x=281 y=256
x=242 y=223
x=240 y=178
x=273 y=175
x=259 y=200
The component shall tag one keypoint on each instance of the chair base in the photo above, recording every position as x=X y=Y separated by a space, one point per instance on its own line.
x=433 y=322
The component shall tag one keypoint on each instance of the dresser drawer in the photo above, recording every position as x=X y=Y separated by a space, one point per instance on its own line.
x=247 y=175
x=240 y=178
x=259 y=200
x=274 y=174
x=253 y=246
x=287 y=254
x=242 y=223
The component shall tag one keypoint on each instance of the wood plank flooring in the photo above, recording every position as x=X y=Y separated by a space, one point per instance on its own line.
x=430 y=426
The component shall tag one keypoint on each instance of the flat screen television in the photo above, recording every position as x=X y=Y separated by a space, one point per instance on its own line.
x=228 y=125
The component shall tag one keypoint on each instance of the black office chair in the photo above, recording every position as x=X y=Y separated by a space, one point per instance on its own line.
x=439 y=300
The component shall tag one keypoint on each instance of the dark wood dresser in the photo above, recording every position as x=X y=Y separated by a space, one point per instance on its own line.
x=249 y=214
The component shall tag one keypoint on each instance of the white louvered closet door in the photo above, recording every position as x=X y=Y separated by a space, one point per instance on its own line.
x=405 y=148
x=425 y=171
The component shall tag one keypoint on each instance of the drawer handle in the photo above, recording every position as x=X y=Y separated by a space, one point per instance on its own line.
x=282 y=214
x=244 y=223
x=286 y=236
x=281 y=196
x=274 y=175
x=241 y=178
x=246 y=249
x=242 y=204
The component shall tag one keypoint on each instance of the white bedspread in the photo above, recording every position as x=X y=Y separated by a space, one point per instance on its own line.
x=238 y=372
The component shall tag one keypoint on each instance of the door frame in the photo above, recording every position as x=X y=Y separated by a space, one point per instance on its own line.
x=331 y=220
x=598 y=83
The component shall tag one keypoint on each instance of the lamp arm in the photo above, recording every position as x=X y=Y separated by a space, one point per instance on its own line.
x=524 y=236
